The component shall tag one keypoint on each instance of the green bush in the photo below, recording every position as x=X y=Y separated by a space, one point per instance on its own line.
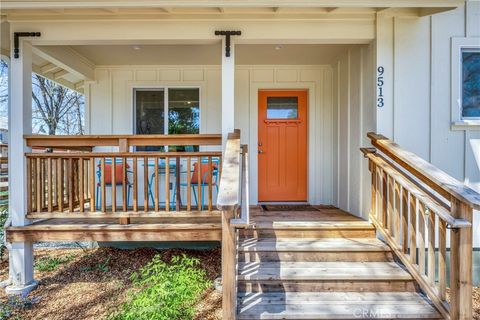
x=164 y=291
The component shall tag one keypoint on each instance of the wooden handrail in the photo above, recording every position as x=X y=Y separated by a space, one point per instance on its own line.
x=408 y=194
x=87 y=155
x=435 y=178
x=123 y=141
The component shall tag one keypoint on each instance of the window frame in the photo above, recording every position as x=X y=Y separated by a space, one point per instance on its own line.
x=165 y=103
x=458 y=46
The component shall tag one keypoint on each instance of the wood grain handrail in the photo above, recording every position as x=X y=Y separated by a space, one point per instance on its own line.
x=90 y=141
x=435 y=178
x=229 y=193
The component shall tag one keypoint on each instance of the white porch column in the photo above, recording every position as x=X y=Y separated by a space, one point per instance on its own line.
x=20 y=123
x=228 y=90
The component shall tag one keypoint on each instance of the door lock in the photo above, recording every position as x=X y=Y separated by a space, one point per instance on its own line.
x=260 y=144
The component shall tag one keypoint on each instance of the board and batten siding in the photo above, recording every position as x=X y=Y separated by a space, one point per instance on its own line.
x=354 y=104
x=110 y=108
x=416 y=55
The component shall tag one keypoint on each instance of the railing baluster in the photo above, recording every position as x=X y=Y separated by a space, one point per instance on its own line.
x=390 y=209
x=167 y=184
x=145 y=184
x=49 y=185
x=157 y=183
x=71 y=185
x=404 y=220
x=210 y=178
x=124 y=184
x=114 y=184
x=60 y=182
x=177 y=184
x=39 y=183
x=431 y=247
x=29 y=185
x=397 y=214
x=442 y=259
x=413 y=229
x=81 y=192
x=92 y=185
x=103 y=184
x=189 y=191
x=135 y=184
x=384 y=200
x=199 y=183
x=421 y=237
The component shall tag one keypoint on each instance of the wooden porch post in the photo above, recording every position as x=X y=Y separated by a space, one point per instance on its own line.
x=228 y=267
x=228 y=91
x=20 y=124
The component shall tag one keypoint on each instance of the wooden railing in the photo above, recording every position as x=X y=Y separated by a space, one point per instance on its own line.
x=86 y=182
x=233 y=202
x=3 y=175
x=417 y=208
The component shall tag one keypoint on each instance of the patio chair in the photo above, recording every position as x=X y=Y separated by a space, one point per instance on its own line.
x=205 y=179
x=108 y=178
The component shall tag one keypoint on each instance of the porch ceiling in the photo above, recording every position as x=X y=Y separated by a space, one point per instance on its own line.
x=302 y=54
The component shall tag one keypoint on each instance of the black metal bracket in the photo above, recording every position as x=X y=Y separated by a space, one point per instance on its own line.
x=16 y=41
x=227 y=35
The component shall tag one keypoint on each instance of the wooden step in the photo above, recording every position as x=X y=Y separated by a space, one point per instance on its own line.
x=321 y=276
x=305 y=249
x=335 y=305
x=310 y=229
x=315 y=271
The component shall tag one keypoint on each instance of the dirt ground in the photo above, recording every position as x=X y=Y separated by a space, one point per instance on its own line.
x=95 y=282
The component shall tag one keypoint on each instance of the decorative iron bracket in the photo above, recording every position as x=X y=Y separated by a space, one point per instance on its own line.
x=227 y=35
x=16 y=41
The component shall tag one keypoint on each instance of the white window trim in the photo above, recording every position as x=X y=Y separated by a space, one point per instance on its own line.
x=457 y=45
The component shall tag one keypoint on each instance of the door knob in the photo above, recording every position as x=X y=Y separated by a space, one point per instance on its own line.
x=260 y=151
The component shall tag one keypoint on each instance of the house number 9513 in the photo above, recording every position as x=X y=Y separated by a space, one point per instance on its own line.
x=380 y=82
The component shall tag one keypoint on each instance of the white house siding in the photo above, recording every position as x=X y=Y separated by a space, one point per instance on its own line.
x=416 y=54
x=356 y=116
x=110 y=108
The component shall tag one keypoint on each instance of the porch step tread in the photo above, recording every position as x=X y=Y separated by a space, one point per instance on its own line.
x=312 y=244
x=326 y=225
x=335 y=305
x=318 y=271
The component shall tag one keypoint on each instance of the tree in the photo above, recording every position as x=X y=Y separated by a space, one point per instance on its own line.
x=55 y=107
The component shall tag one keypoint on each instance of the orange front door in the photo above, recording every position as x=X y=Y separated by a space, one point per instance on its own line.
x=282 y=146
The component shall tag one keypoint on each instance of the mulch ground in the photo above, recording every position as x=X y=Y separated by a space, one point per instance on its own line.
x=95 y=282
x=84 y=289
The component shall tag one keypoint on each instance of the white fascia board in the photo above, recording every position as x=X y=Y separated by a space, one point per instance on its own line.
x=20 y=4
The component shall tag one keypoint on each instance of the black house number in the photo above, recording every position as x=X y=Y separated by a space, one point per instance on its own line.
x=380 y=82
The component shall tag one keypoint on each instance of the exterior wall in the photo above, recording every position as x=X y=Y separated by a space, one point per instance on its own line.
x=416 y=55
x=110 y=108
x=356 y=116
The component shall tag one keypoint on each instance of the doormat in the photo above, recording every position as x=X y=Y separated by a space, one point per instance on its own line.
x=288 y=207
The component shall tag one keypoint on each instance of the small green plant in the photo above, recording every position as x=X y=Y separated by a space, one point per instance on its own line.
x=164 y=291
x=99 y=266
x=51 y=263
x=16 y=302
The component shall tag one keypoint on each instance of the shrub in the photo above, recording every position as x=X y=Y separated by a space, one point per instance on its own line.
x=51 y=263
x=164 y=291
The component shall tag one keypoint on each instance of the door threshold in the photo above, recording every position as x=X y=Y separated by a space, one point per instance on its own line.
x=283 y=203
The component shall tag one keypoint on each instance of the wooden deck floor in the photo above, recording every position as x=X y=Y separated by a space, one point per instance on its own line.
x=171 y=226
